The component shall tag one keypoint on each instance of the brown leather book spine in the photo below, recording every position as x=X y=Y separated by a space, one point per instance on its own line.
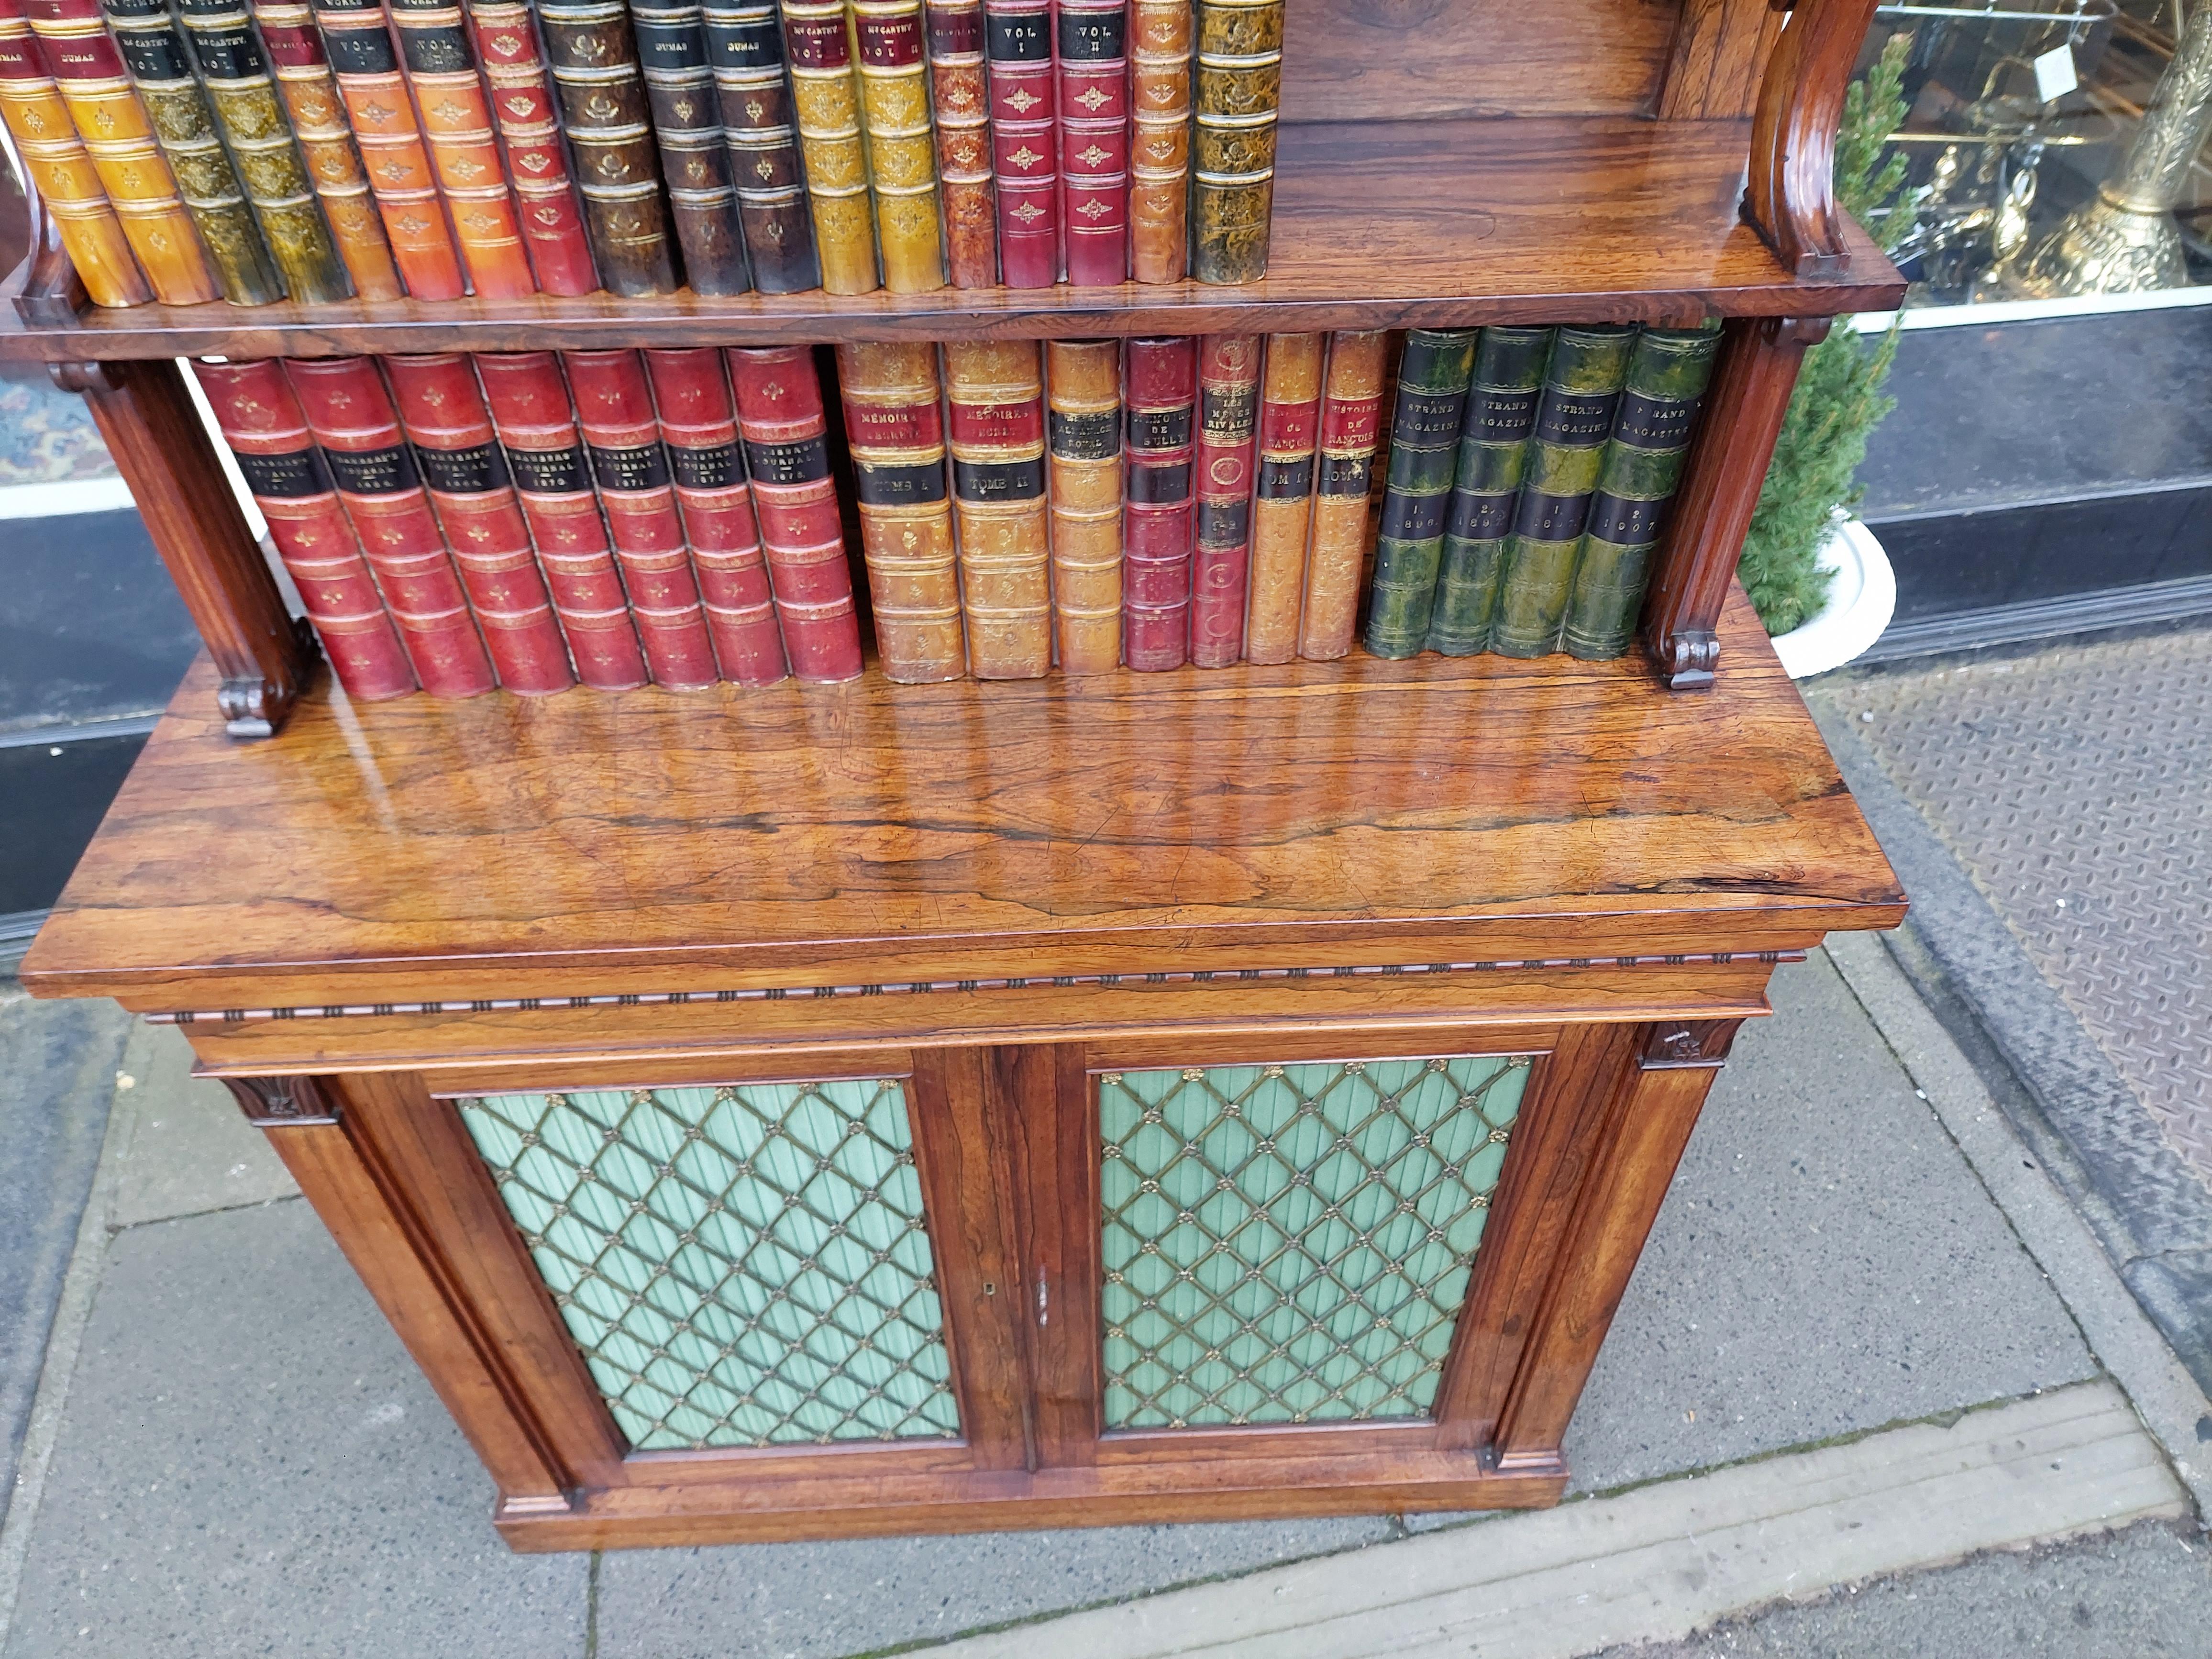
x=1083 y=389
x=522 y=104
x=1282 y=499
x=1162 y=379
x=895 y=431
x=703 y=199
x=1092 y=56
x=537 y=429
x=997 y=401
x=699 y=424
x=352 y=417
x=1240 y=85
x=62 y=172
x=962 y=103
x=593 y=57
x=902 y=153
x=268 y=436
x=318 y=121
x=744 y=44
x=444 y=417
x=826 y=98
x=1350 y=417
x=366 y=63
x=1159 y=149
x=1227 y=420
x=441 y=70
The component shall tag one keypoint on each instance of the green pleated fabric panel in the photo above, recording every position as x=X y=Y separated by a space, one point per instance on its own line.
x=1292 y=1243
x=742 y=1266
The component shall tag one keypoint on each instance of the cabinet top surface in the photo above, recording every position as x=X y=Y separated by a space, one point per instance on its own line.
x=1309 y=816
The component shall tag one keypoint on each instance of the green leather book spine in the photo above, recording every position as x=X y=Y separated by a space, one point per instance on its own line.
x=1637 y=480
x=1493 y=445
x=1574 y=418
x=1432 y=379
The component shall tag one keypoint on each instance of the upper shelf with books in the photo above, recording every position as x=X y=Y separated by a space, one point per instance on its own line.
x=1432 y=223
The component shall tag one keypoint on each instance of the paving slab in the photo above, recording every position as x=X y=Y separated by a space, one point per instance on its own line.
x=184 y=1147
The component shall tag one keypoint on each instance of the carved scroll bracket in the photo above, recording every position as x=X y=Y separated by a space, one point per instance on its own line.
x=1791 y=197
x=1687 y=1045
x=50 y=291
x=284 y=1103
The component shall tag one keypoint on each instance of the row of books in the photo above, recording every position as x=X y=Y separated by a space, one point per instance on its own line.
x=680 y=517
x=192 y=150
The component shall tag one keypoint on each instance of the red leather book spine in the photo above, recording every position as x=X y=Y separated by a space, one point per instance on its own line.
x=1221 y=568
x=699 y=425
x=441 y=69
x=1019 y=40
x=614 y=407
x=963 y=105
x=446 y=420
x=785 y=435
x=261 y=423
x=1092 y=53
x=529 y=135
x=1158 y=522
x=351 y=415
x=553 y=480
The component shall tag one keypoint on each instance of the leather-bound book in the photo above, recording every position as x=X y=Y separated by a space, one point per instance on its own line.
x=896 y=432
x=826 y=101
x=1093 y=98
x=1159 y=145
x=1336 y=555
x=1024 y=148
x=997 y=402
x=444 y=417
x=1083 y=398
x=366 y=65
x=609 y=121
x=1240 y=85
x=441 y=69
x=74 y=47
x=699 y=424
x=962 y=102
x=522 y=107
x=902 y=153
x=1160 y=514
x=744 y=43
x=614 y=407
x=352 y=417
x=1636 y=484
x=268 y=436
x=160 y=67
x=1432 y=380
x=785 y=432
x=695 y=163
x=295 y=52
x=1221 y=564
x=1282 y=499
x=1493 y=443
x=1574 y=417
x=536 y=427
x=62 y=172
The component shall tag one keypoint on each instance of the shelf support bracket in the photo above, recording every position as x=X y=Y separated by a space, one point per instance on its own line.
x=46 y=290
x=1791 y=197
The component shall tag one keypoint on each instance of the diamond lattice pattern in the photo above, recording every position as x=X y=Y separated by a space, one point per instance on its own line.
x=742 y=1266
x=1291 y=1243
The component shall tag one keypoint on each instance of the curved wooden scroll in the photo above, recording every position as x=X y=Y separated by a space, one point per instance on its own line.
x=1791 y=197
x=50 y=291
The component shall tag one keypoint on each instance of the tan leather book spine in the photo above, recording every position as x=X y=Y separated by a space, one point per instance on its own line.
x=1352 y=402
x=963 y=105
x=441 y=70
x=1159 y=150
x=997 y=402
x=1084 y=417
x=902 y=153
x=318 y=121
x=1239 y=96
x=1282 y=501
x=825 y=94
x=896 y=432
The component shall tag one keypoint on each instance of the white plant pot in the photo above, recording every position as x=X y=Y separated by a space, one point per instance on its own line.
x=1861 y=601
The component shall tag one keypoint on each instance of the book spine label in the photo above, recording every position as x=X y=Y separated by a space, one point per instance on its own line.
x=891 y=396
x=522 y=107
x=552 y=479
x=786 y=434
x=826 y=97
x=184 y=120
x=699 y=425
x=1432 y=380
x=261 y=423
x=1083 y=380
x=1240 y=84
x=996 y=400
x=1018 y=42
x=1637 y=480
x=694 y=161
x=1160 y=514
x=1350 y=415
x=1493 y=443
x=744 y=45
x=1092 y=52
x=1159 y=149
x=442 y=68
x=593 y=57
x=1566 y=451
x=352 y=417
x=962 y=103
x=1228 y=416
x=902 y=154
x=1282 y=504
x=362 y=57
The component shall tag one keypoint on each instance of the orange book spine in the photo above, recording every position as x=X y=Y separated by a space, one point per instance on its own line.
x=1083 y=418
x=1159 y=151
x=895 y=432
x=1282 y=497
x=998 y=480
x=1351 y=401
x=441 y=69
x=319 y=122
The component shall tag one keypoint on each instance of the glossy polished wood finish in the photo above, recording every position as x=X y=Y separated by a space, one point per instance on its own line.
x=1718 y=59
x=1791 y=197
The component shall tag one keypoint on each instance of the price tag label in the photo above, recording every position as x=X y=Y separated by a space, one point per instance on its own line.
x=2054 y=74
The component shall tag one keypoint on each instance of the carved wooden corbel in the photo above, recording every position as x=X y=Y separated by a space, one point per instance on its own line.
x=1687 y=1044
x=284 y=1103
x=1791 y=196
x=50 y=291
